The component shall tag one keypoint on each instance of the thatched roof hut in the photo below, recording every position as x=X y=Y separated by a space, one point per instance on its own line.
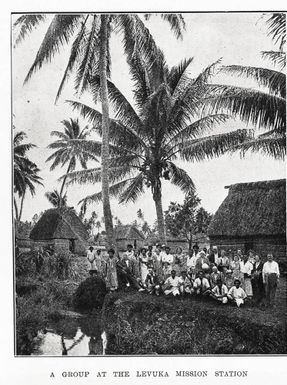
x=126 y=234
x=252 y=216
x=62 y=228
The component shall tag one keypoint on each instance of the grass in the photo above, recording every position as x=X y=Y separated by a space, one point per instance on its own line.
x=143 y=324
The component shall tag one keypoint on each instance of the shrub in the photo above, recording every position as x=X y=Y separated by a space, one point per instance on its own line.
x=90 y=294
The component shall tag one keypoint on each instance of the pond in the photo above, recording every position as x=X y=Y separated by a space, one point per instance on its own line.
x=72 y=336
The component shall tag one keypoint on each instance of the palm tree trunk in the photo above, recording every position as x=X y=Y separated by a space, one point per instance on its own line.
x=105 y=132
x=21 y=207
x=64 y=182
x=159 y=213
x=16 y=210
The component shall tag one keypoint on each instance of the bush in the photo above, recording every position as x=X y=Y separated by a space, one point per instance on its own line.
x=90 y=294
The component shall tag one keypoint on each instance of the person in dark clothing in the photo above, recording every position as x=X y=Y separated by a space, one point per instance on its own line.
x=257 y=281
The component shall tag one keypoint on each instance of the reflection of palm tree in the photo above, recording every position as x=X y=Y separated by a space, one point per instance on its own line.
x=75 y=343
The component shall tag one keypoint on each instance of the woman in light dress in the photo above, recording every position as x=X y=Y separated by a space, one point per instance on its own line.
x=143 y=260
x=111 y=271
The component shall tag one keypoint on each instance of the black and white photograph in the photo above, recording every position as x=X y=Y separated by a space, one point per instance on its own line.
x=149 y=183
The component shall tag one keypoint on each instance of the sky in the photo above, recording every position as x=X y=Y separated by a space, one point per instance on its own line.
x=235 y=38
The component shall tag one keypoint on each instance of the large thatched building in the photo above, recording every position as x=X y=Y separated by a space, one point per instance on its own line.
x=129 y=234
x=252 y=216
x=62 y=229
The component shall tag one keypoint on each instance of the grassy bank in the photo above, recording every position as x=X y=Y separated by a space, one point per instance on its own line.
x=142 y=324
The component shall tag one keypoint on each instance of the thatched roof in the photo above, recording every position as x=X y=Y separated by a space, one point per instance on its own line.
x=59 y=224
x=128 y=232
x=257 y=208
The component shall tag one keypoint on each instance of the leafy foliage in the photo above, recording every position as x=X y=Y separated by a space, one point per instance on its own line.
x=186 y=220
x=90 y=294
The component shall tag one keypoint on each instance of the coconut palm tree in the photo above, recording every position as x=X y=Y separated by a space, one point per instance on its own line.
x=68 y=149
x=55 y=198
x=167 y=126
x=25 y=172
x=89 y=55
x=264 y=108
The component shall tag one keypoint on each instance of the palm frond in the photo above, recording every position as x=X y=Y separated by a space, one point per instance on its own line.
x=277 y=28
x=274 y=80
x=214 y=145
x=256 y=107
x=114 y=191
x=274 y=147
x=177 y=74
x=197 y=128
x=121 y=106
x=176 y=22
x=59 y=32
x=26 y=24
x=133 y=190
x=73 y=57
x=277 y=58
x=87 y=58
x=181 y=179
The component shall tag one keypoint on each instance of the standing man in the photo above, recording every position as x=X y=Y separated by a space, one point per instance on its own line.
x=216 y=256
x=192 y=258
x=91 y=258
x=270 y=275
x=166 y=257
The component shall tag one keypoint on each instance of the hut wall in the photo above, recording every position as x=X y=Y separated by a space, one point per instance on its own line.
x=42 y=243
x=61 y=245
x=122 y=243
x=262 y=245
x=80 y=247
x=174 y=243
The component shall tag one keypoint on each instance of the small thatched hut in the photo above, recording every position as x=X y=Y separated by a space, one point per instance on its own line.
x=252 y=216
x=62 y=229
x=129 y=234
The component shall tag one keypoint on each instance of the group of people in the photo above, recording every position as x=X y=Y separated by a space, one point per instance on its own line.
x=224 y=277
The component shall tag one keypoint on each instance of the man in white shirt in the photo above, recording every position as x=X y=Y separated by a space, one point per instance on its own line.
x=172 y=284
x=219 y=292
x=237 y=294
x=166 y=257
x=191 y=259
x=91 y=258
x=270 y=275
x=201 y=285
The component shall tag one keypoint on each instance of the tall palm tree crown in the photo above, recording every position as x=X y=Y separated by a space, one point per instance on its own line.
x=26 y=172
x=69 y=148
x=56 y=199
x=89 y=55
x=166 y=125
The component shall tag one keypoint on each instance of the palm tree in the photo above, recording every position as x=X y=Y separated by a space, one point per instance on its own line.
x=265 y=109
x=69 y=150
x=168 y=126
x=89 y=55
x=55 y=198
x=25 y=172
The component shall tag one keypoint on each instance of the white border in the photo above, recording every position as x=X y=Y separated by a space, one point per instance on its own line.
x=37 y=370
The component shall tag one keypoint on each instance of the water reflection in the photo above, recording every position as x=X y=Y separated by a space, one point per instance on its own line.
x=73 y=337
